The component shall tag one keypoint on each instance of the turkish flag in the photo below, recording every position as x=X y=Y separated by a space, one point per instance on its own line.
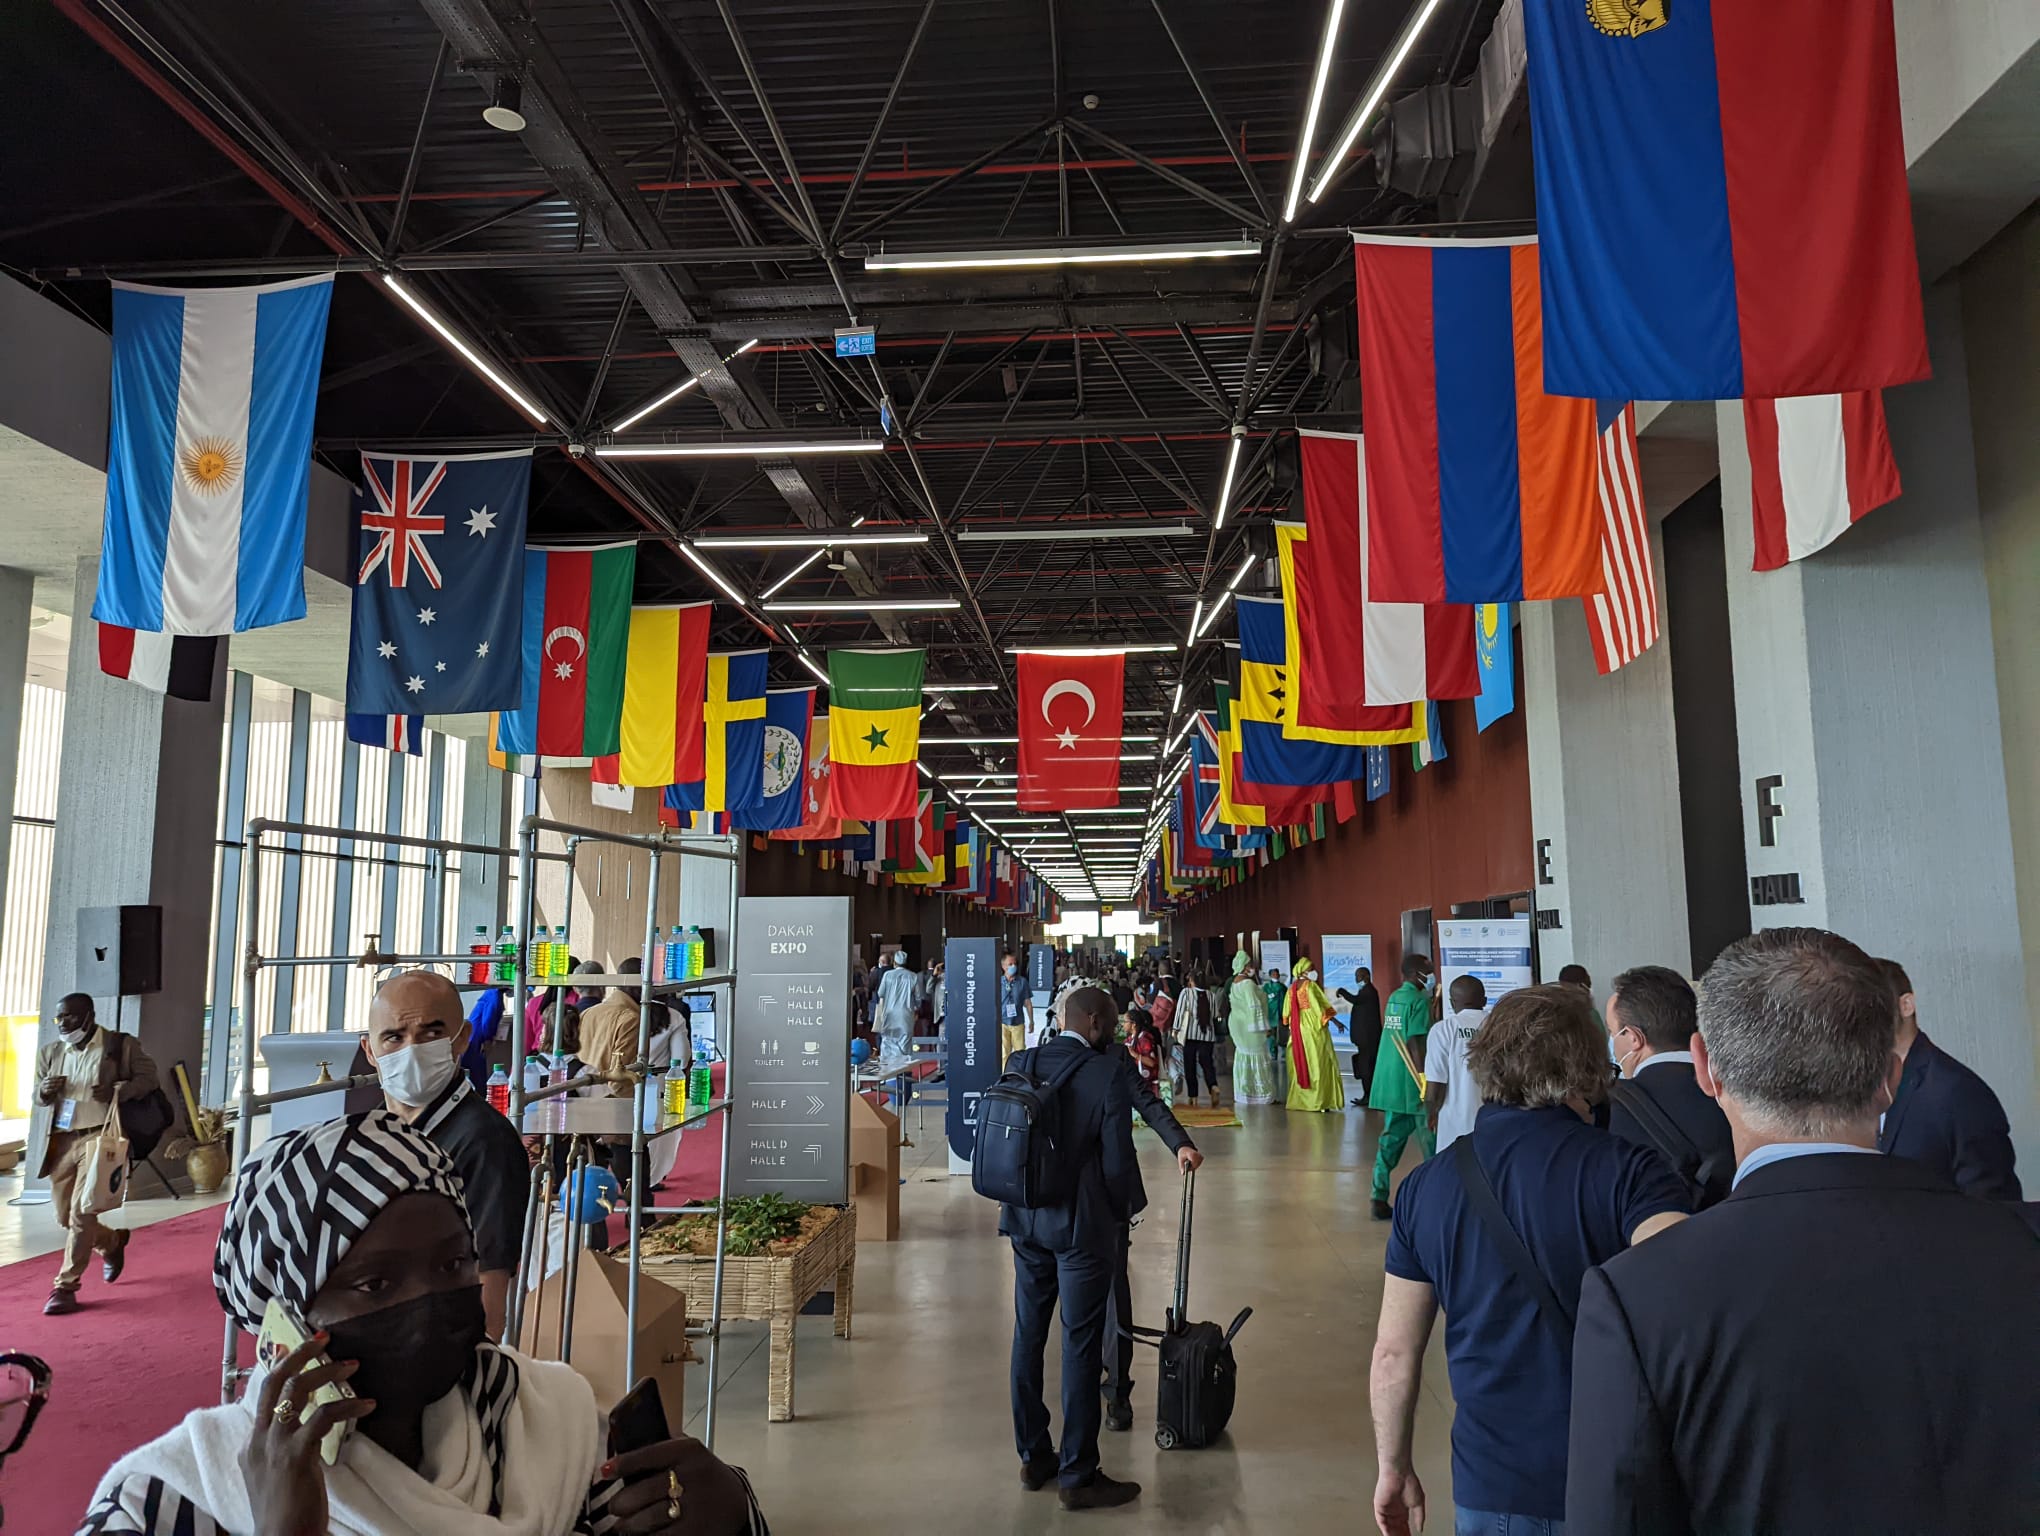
x=1072 y=719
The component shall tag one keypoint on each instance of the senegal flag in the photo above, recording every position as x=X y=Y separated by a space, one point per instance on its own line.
x=875 y=732
x=576 y=632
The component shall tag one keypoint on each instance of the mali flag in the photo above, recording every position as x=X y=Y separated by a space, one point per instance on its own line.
x=875 y=731
x=576 y=619
x=664 y=682
x=1480 y=486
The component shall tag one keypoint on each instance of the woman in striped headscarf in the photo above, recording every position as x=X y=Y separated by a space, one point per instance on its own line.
x=356 y=1228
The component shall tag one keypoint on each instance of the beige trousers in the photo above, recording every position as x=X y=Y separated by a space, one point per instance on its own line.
x=82 y=1230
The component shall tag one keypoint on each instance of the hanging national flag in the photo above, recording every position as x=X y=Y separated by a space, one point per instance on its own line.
x=179 y=665
x=819 y=822
x=1399 y=653
x=1497 y=665
x=393 y=733
x=576 y=633
x=1622 y=622
x=1480 y=486
x=1072 y=725
x=1212 y=827
x=875 y=730
x=1818 y=463
x=1687 y=256
x=733 y=756
x=664 y=683
x=209 y=455
x=1269 y=753
x=1245 y=802
x=675 y=812
x=439 y=585
x=782 y=784
x=1432 y=748
x=1377 y=772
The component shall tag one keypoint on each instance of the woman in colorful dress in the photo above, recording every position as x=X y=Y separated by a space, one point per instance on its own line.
x=1314 y=1082
x=1253 y=1077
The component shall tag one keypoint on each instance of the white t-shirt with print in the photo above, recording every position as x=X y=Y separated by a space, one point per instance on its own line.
x=1445 y=1062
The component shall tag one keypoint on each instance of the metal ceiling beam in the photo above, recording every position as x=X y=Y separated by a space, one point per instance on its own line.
x=878 y=128
x=1248 y=219
x=1218 y=121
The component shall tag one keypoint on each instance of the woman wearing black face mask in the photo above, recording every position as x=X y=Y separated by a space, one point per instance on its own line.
x=357 y=1227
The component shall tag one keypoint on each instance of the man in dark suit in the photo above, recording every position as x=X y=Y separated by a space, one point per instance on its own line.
x=1067 y=1253
x=1364 y=1025
x=1847 y=1343
x=1943 y=1114
x=1658 y=1105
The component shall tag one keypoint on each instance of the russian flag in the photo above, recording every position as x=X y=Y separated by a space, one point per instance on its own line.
x=1480 y=486
x=1722 y=196
x=209 y=456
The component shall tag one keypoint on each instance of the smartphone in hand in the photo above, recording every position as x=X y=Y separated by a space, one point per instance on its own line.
x=282 y=1332
x=639 y=1420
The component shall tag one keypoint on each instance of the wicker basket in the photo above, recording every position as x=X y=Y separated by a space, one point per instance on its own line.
x=773 y=1288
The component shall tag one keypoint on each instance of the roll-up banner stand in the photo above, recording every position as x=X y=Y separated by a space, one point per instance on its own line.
x=970 y=1034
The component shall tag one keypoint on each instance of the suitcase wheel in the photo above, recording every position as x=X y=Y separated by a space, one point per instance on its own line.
x=1165 y=1437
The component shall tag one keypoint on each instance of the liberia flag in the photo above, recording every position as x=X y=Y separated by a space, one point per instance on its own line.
x=576 y=635
x=1818 y=463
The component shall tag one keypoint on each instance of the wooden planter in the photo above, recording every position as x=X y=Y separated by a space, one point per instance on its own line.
x=773 y=1288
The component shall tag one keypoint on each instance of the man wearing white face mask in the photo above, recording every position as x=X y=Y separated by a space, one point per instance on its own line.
x=416 y=1034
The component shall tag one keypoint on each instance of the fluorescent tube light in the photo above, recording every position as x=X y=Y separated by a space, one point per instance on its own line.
x=1370 y=98
x=809 y=662
x=737 y=448
x=1084 y=650
x=1317 y=100
x=1196 y=614
x=866 y=605
x=811 y=559
x=1178 y=704
x=474 y=359
x=933 y=688
x=970 y=741
x=1240 y=575
x=714 y=575
x=1212 y=617
x=1232 y=464
x=1059 y=255
x=1076 y=531
x=805 y=539
x=674 y=393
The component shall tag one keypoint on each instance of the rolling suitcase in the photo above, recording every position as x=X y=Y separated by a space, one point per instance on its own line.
x=1195 y=1398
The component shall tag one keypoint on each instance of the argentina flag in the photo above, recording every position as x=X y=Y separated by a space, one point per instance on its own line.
x=209 y=456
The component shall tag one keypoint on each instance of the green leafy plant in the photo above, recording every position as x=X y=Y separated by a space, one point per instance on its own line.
x=758 y=1221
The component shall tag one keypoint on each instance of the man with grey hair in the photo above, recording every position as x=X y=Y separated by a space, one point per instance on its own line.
x=1846 y=1343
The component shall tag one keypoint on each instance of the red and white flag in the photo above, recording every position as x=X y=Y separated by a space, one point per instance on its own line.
x=1406 y=653
x=1622 y=621
x=1072 y=721
x=1817 y=464
x=179 y=665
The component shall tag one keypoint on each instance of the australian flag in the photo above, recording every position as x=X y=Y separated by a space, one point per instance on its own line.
x=439 y=588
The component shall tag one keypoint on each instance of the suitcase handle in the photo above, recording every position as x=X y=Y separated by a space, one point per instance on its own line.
x=1181 y=1310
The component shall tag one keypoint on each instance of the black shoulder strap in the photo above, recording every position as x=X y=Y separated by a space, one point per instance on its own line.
x=1064 y=1073
x=1660 y=1127
x=1482 y=1195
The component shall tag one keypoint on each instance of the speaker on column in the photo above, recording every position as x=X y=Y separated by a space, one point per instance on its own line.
x=120 y=951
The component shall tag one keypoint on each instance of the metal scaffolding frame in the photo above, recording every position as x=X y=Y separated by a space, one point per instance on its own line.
x=647 y=1121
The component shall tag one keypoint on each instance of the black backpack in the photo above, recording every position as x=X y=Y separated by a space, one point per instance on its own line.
x=1672 y=1144
x=1018 y=1159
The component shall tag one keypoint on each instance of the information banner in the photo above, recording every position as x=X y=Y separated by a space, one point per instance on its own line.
x=1493 y=950
x=1040 y=986
x=1345 y=953
x=970 y=1037
x=789 y=1072
x=1275 y=957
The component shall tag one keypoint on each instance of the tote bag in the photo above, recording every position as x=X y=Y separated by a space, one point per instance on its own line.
x=102 y=1183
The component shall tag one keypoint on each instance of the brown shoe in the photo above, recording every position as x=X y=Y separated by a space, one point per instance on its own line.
x=60 y=1302
x=116 y=1261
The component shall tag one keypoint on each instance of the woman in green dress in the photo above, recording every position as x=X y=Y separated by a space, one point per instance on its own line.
x=1314 y=1067
x=1253 y=1076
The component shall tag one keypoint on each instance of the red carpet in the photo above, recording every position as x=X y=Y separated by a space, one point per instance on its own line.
x=128 y=1364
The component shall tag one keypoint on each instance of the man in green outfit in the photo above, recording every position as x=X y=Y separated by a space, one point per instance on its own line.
x=1395 y=1089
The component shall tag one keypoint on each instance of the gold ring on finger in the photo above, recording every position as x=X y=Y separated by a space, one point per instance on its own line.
x=673 y=1492
x=286 y=1413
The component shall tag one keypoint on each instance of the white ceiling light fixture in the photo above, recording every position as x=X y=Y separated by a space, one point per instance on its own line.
x=1240 y=575
x=804 y=539
x=1196 y=614
x=1326 y=47
x=1086 y=650
x=1212 y=617
x=505 y=110
x=1058 y=256
x=453 y=339
x=935 y=688
x=809 y=662
x=701 y=564
x=737 y=448
x=867 y=605
x=1076 y=531
x=1370 y=99
x=1232 y=467
x=675 y=392
x=1178 y=704
x=970 y=741
x=781 y=583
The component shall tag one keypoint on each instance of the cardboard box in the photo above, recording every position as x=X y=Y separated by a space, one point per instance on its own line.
x=600 y=1313
x=874 y=1170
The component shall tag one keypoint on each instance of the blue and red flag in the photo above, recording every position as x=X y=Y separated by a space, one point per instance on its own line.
x=1721 y=192
x=393 y=733
x=1480 y=486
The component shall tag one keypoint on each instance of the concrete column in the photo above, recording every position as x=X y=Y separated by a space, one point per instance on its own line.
x=485 y=795
x=1608 y=855
x=1874 y=794
x=17 y=597
x=136 y=808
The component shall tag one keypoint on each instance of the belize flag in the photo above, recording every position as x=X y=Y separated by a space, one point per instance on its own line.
x=1721 y=188
x=1479 y=485
x=209 y=456
x=576 y=638
x=781 y=798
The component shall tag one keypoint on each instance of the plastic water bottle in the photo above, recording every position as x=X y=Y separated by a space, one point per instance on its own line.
x=559 y=951
x=499 y=1090
x=478 y=971
x=657 y=969
x=676 y=955
x=676 y=1087
x=506 y=954
x=534 y=1074
x=697 y=952
x=700 y=1081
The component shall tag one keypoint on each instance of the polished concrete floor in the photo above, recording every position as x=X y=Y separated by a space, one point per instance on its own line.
x=906 y=1426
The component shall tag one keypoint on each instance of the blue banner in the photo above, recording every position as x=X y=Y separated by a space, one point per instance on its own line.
x=970 y=1036
x=1496 y=644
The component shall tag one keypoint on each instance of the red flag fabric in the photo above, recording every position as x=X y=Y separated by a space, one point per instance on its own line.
x=1072 y=721
x=820 y=822
x=1398 y=653
x=1818 y=463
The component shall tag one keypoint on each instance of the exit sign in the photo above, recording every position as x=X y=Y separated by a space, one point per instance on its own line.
x=857 y=341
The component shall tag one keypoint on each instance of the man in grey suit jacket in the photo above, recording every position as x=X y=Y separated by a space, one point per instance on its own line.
x=1847 y=1343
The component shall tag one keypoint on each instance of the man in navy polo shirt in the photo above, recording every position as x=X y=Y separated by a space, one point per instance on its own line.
x=1565 y=1196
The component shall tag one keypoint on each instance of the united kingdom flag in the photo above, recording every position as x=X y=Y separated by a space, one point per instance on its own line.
x=438 y=594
